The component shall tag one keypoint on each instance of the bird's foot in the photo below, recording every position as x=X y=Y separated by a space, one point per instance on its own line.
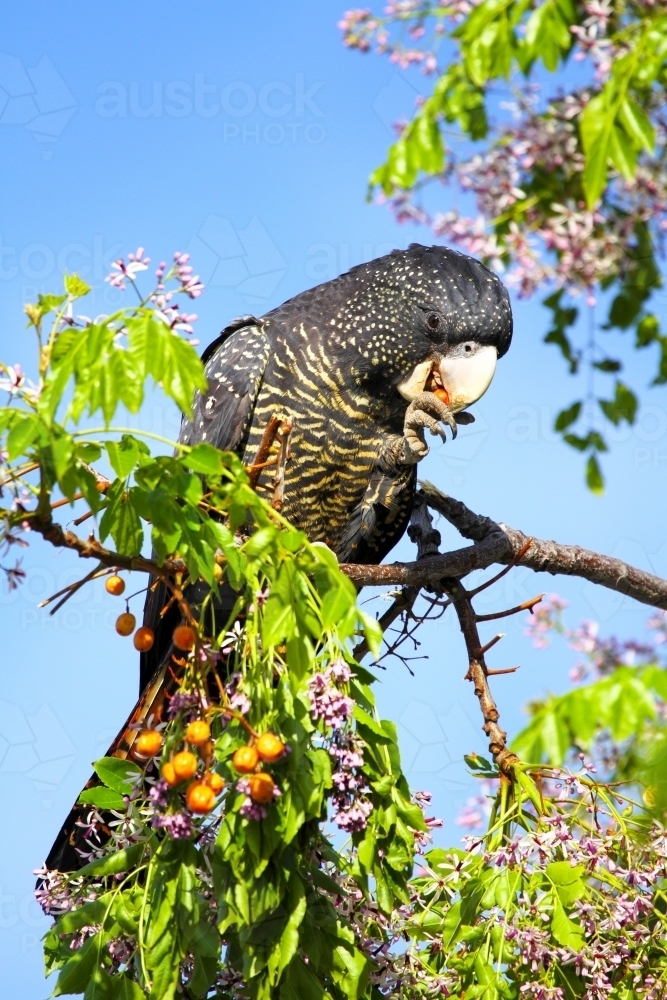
x=426 y=411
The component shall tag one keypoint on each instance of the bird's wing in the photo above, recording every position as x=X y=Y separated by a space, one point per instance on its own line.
x=380 y=519
x=234 y=366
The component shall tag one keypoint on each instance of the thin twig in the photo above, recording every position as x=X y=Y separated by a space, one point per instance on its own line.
x=526 y=606
x=489 y=645
x=498 y=576
x=73 y=588
x=478 y=674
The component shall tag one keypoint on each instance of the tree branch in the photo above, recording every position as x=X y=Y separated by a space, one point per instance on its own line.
x=498 y=543
x=90 y=548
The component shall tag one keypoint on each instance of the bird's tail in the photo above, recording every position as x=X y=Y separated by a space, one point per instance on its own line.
x=71 y=846
x=159 y=680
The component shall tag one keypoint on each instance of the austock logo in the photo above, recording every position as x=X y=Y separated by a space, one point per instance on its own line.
x=38 y=99
x=245 y=260
x=36 y=746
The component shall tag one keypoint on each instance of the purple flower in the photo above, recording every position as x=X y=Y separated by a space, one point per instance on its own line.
x=159 y=794
x=327 y=702
x=352 y=818
x=182 y=701
x=177 y=825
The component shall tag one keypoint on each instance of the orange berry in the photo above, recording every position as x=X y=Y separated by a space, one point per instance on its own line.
x=149 y=742
x=184 y=638
x=200 y=798
x=169 y=774
x=185 y=765
x=214 y=781
x=218 y=573
x=198 y=732
x=270 y=748
x=125 y=623
x=442 y=395
x=261 y=787
x=115 y=586
x=245 y=759
x=144 y=638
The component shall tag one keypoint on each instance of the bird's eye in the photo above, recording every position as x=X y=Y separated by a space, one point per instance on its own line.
x=433 y=321
x=467 y=348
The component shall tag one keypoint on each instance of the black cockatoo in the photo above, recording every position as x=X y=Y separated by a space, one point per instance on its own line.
x=361 y=366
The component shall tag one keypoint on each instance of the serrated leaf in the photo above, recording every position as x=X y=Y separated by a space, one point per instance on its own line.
x=120 y=775
x=123 y=455
x=565 y=931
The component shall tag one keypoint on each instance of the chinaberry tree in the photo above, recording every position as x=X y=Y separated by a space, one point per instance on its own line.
x=546 y=118
x=213 y=861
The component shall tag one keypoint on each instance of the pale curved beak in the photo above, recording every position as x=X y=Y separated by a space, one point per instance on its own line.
x=414 y=383
x=467 y=379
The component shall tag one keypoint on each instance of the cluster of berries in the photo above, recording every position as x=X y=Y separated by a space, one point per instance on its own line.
x=266 y=749
x=203 y=789
x=184 y=636
x=202 y=792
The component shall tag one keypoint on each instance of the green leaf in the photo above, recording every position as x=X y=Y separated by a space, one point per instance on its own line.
x=371 y=724
x=608 y=365
x=204 y=458
x=21 y=436
x=567 y=417
x=126 y=989
x=84 y=915
x=76 y=973
x=594 y=477
x=567 y=880
x=337 y=602
x=648 y=330
x=564 y=930
x=121 y=521
x=477 y=763
x=622 y=407
x=100 y=986
x=113 y=864
x=637 y=124
x=121 y=775
x=595 y=124
x=123 y=455
x=622 y=153
x=372 y=632
x=103 y=798
x=531 y=790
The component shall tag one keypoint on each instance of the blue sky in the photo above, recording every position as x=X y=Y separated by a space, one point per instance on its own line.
x=247 y=135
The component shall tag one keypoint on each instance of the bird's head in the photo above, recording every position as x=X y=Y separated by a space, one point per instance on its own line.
x=425 y=317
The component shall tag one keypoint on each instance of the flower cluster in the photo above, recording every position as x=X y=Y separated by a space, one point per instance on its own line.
x=334 y=708
x=602 y=655
x=351 y=807
x=162 y=297
x=327 y=702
